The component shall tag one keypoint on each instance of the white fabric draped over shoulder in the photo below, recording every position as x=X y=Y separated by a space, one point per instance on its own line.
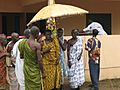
x=18 y=65
x=76 y=71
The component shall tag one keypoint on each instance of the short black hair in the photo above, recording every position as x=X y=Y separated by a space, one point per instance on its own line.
x=95 y=32
x=34 y=30
x=75 y=30
x=60 y=29
x=48 y=30
x=14 y=34
x=27 y=32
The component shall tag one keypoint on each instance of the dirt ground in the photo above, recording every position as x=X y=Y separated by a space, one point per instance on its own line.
x=112 y=84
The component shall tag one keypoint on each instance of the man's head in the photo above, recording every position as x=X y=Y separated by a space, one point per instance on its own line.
x=3 y=39
x=60 y=32
x=48 y=34
x=15 y=37
x=95 y=32
x=27 y=33
x=74 y=33
x=34 y=31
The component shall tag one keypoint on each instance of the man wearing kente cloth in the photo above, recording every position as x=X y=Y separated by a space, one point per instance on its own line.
x=3 y=54
x=19 y=62
x=50 y=59
x=12 y=80
x=30 y=50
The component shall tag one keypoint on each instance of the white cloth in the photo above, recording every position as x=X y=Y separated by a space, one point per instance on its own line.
x=18 y=65
x=76 y=72
x=95 y=25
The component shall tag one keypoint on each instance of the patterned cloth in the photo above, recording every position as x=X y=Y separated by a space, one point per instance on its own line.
x=12 y=80
x=62 y=62
x=93 y=46
x=32 y=73
x=18 y=65
x=52 y=70
x=9 y=48
x=76 y=72
x=2 y=70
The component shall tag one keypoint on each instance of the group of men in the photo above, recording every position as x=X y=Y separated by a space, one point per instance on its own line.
x=9 y=55
x=34 y=63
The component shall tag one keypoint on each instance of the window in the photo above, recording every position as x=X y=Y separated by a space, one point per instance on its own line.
x=103 y=18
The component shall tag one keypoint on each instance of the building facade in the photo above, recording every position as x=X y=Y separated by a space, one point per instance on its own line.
x=15 y=14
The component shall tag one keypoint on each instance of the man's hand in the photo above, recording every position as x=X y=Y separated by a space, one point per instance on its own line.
x=85 y=46
x=4 y=55
x=47 y=50
x=69 y=64
x=43 y=75
x=13 y=58
x=57 y=62
x=7 y=54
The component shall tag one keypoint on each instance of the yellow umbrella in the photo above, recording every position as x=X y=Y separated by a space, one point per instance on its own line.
x=56 y=10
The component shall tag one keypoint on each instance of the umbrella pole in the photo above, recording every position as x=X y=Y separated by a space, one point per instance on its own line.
x=50 y=2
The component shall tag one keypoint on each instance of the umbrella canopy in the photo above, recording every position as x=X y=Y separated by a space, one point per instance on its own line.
x=56 y=10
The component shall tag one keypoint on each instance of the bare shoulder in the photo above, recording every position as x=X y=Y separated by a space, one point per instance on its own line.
x=37 y=45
